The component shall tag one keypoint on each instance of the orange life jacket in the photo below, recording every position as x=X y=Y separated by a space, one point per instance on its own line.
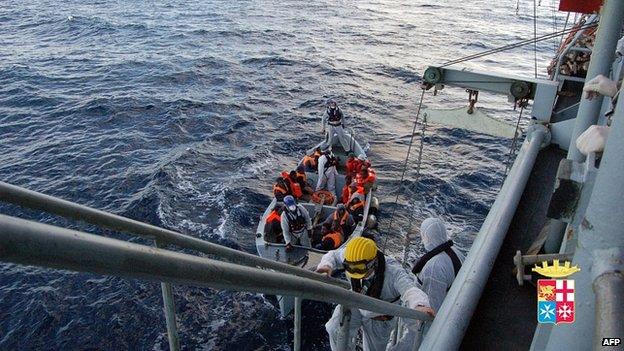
x=278 y=189
x=357 y=206
x=335 y=237
x=295 y=188
x=346 y=194
x=353 y=166
x=274 y=216
x=303 y=176
x=311 y=160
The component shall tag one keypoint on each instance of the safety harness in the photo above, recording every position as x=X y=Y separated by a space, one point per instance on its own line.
x=296 y=220
x=446 y=248
x=334 y=117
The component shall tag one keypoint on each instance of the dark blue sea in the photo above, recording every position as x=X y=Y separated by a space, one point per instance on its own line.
x=181 y=114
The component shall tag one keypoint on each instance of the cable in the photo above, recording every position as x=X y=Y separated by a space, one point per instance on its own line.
x=516 y=45
x=535 y=34
x=409 y=149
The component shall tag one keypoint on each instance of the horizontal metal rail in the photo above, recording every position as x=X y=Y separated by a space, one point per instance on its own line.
x=32 y=199
x=32 y=243
x=451 y=322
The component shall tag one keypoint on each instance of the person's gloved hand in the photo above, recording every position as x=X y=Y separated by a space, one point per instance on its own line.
x=593 y=139
x=324 y=270
x=600 y=85
x=289 y=247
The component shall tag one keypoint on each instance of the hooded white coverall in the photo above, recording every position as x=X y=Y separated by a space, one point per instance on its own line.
x=326 y=177
x=301 y=237
x=336 y=131
x=397 y=284
x=438 y=273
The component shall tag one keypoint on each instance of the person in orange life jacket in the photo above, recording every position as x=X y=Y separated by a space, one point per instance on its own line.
x=376 y=275
x=295 y=189
x=439 y=266
x=341 y=218
x=356 y=209
x=356 y=191
x=327 y=172
x=310 y=162
x=301 y=179
x=346 y=194
x=296 y=224
x=273 y=226
x=351 y=165
x=334 y=119
x=280 y=189
x=366 y=179
x=332 y=238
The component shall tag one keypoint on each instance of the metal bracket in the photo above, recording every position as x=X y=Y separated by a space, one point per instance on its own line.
x=521 y=261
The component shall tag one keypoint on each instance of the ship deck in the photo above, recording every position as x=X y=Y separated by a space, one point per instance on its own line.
x=505 y=318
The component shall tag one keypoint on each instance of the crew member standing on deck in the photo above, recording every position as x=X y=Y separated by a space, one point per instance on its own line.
x=333 y=123
x=327 y=172
x=372 y=273
x=296 y=224
x=437 y=268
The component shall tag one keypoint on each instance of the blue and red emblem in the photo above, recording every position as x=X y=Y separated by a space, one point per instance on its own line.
x=555 y=301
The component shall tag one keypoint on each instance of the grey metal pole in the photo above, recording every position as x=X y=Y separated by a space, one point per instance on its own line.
x=607 y=35
x=297 y=327
x=32 y=199
x=452 y=320
x=170 y=315
x=32 y=243
x=609 y=289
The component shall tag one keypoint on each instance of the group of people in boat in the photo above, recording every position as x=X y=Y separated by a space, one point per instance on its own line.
x=292 y=224
x=369 y=270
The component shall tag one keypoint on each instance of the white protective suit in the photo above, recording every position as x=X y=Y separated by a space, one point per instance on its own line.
x=438 y=273
x=399 y=287
x=336 y=131
x=297 y=238
x=326 y=177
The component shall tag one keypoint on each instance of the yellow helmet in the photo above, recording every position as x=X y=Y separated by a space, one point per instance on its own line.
x=360 y=253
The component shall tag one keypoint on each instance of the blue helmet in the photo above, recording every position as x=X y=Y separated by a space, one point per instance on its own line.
x=290 y=203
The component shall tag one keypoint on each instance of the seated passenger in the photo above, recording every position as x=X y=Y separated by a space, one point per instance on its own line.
x=280 y=189
x=327 y=172
x=366 y=178
x=310 y=162
x=345 y=191
x=301 y=179
x=295 y=189
x=437 y=268
x=273 y=227
x=353 y=165
x=341 y=218
x=356 y=191
x=356 y=209
x=332 y=238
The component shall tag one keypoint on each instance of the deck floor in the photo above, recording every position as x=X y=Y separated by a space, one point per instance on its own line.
x=505 y=318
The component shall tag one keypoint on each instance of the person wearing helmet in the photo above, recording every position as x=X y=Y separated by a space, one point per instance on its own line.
x=296 y=224
x=334 y=119
x=372 y=273
x=342 y=219
x=437 y=268
x=327 y=172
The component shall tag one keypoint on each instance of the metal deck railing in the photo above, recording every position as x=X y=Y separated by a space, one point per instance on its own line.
x=33 y=243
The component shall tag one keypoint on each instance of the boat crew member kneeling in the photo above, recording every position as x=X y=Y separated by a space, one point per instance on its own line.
x=296 y=224
x=373 y=274
x=437 y=268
